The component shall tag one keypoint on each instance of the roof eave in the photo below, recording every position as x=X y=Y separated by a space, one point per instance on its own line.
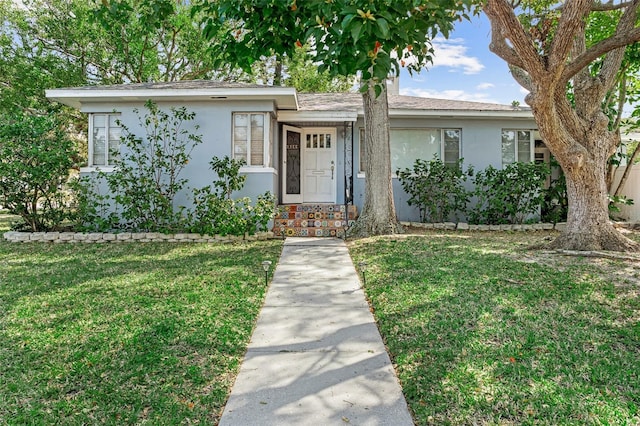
x=284 y=97
x=317 y=116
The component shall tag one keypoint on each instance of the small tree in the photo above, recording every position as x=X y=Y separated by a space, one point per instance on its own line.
x=35 y=160
x=435 y=188
x=147 y=177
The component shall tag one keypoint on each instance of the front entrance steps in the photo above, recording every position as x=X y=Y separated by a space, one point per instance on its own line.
x=314 y=220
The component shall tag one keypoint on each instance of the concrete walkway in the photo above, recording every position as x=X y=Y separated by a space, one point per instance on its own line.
x=316 y=356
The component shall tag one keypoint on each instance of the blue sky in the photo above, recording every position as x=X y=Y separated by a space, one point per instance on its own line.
x=465 y=69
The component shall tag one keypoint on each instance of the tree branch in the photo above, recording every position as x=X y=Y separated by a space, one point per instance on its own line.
x=571 y=26
x=502 y=16
x=599 y=49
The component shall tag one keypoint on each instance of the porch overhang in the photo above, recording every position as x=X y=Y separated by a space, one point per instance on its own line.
x=317 y=116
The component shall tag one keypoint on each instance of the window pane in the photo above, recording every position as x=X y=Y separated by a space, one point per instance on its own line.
x=451 y=146
x=98 y=146
x=257 y=140
x=508 y=147
x=328 y=140
x=411 y=144
x=240 y=120
x=524 y=145
x=257 y=152
x=257 y=120
x=114 y=143
x=240 y=150
x=98 y=120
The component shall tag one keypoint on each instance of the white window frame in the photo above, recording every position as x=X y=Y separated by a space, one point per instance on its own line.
x=103 y=167
x=361 y=172
x=266 y=144
x=532 y=145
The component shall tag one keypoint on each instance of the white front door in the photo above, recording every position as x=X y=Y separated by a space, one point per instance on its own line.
x=319 y=165
x=309 y=165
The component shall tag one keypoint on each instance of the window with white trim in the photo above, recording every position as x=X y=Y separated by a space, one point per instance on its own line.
x=408 y=145
x=517 y=146
x=251 y=135
x=104 y=139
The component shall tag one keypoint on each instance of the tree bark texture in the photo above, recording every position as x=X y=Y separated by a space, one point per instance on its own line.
x=577 y=133
x=378 y=216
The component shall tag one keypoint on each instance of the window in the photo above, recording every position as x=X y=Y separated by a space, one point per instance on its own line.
x=251 y=138
x=104 y=139
x=407 y=145
x=517 y=145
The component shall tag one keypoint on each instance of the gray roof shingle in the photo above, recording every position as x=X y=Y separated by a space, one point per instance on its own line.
x=353 y=102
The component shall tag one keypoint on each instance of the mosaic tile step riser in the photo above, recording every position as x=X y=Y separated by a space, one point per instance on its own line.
x=304 y=223
x=310 y=232
x=317 y=211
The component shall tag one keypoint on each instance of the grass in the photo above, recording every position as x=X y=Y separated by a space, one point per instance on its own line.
x=484 y=331
x=124 y=333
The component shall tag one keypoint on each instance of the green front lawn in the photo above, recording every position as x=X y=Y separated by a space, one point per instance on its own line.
x=125 y=333
x=485 y=331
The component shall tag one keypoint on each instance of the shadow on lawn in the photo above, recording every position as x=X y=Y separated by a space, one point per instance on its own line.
x=125 y=332
x=480 y=338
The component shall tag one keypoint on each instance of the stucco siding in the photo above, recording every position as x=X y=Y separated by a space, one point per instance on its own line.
x=480 y=147
x=215 y=126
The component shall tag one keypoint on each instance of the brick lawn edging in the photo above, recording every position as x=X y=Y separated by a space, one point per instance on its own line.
x=142 y=237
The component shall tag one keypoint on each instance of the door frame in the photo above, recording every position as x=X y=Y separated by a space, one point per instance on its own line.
x=303 y=131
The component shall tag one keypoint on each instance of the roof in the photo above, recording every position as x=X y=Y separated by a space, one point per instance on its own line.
x=287 y=100
x=353 y=102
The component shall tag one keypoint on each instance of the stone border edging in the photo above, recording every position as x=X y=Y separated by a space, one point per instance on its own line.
x=142 y=237
x=462 y=226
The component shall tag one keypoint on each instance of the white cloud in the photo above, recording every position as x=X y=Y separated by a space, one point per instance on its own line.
x=485 y=86
x=459 y=95
x=452 y=53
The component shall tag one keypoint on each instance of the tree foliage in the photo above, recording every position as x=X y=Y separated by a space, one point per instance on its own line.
x=35 y=160
x=548 y=52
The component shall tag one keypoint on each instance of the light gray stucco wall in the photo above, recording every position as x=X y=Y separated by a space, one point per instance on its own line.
x=480 y=147
x=215 y=121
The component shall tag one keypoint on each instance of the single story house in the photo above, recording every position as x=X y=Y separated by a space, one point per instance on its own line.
x=306 y=148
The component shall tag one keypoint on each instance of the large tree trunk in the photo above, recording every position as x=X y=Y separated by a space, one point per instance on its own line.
x=582 y=148
x=588 y=224
x=378 y=216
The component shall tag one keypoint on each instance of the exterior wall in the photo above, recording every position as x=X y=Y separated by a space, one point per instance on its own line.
x=631 y=190
x=480 y=146
x=215 y=121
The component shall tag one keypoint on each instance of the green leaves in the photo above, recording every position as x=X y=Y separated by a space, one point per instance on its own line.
x=435 y=189
x=348 y=37
x=35 y=161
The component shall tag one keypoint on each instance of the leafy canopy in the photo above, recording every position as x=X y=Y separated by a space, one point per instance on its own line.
x=373 y=37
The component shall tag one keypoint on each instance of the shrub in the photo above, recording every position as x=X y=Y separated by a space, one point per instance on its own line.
x=147 y=178
x=510 y=195
x=36 y=157
x=435 y=189
x=555 y=204
x=215 y=212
